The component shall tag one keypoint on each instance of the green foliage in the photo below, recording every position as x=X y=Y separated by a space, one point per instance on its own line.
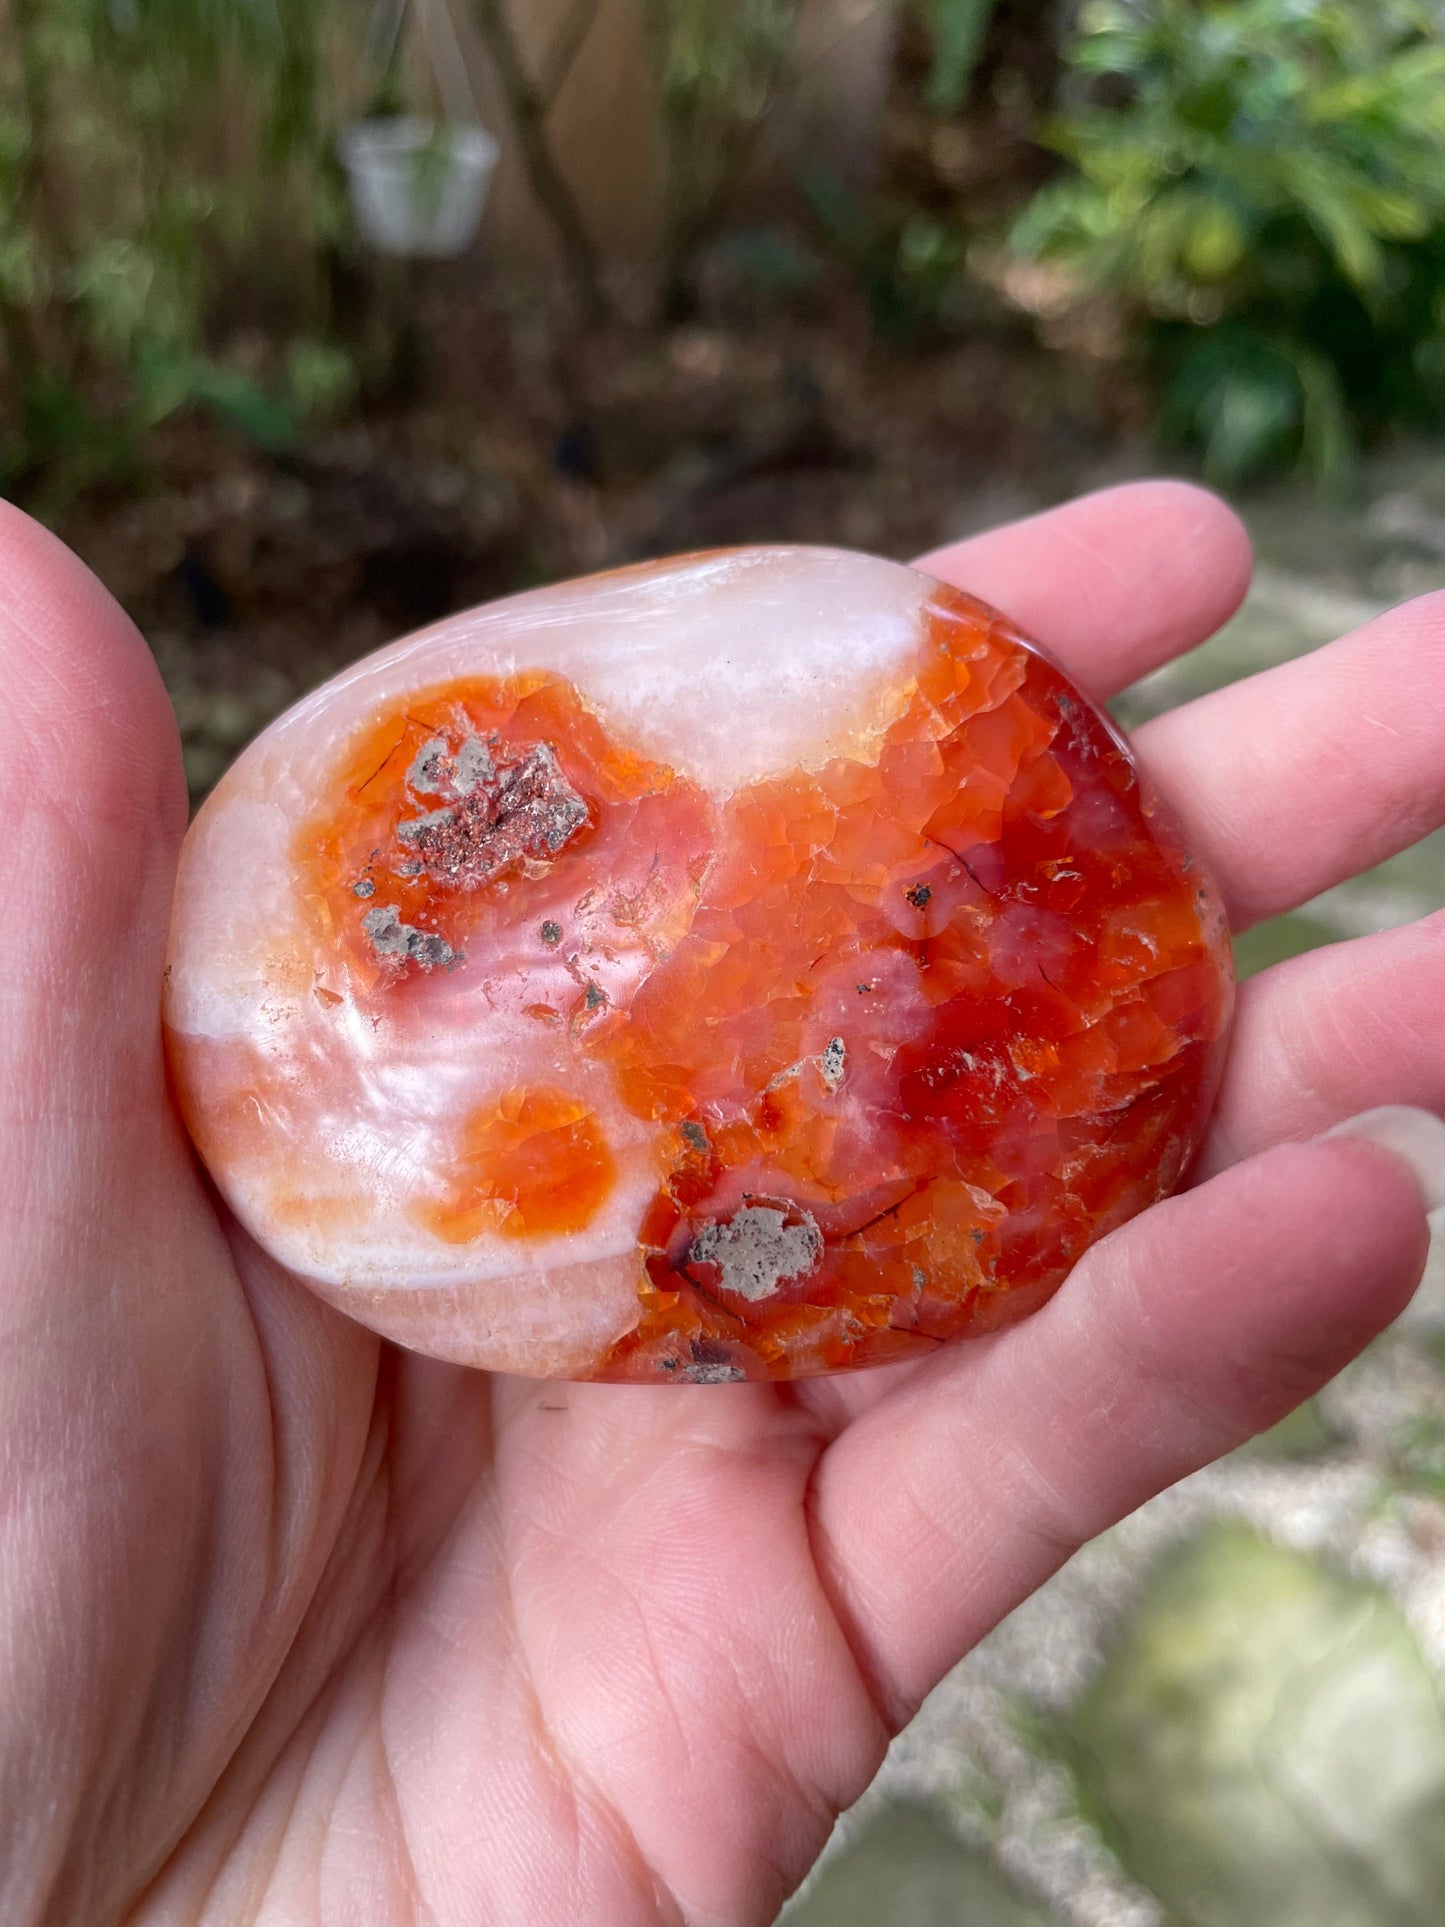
x=718 y=72
x=908 y=265
x=958 y=29
x=722 y=60
x=1265 y=180
x=148 y=151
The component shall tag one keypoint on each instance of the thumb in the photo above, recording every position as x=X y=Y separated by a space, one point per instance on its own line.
x=93 y=799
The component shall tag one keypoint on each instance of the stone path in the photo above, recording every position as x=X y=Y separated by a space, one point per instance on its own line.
x=1226 y=1712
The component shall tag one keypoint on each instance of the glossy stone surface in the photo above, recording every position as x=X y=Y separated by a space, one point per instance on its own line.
x=759 y=964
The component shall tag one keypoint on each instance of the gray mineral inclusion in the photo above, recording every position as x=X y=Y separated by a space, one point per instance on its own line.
x=390 y=937
x=757 y=1250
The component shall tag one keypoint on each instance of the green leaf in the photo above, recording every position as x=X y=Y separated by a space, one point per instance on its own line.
x=1214 y=245
x=244 y=405
x=169 y=382
x=959 y=28
x=1237 y=395
x=1327 y=441
x=321 y=377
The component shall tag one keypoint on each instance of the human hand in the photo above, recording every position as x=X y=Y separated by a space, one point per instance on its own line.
x=295 y=1626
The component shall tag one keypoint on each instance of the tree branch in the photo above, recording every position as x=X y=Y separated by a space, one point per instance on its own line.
x=527 y=107
x=564 y=50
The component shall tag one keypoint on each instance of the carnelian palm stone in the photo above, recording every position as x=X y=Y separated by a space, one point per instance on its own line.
x=752 y=965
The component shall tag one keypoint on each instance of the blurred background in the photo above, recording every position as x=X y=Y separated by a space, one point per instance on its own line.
x=320 y=318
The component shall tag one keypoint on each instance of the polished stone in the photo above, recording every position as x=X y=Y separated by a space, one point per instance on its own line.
x=759 y=964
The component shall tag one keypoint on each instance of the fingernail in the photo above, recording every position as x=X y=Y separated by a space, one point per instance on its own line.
x=1416 y=1137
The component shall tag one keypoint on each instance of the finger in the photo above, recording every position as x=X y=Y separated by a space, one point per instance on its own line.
x=1301 y=776
x=1175 y=1339
x=1114 y=583
x=92 y=794
x=1324 y=1036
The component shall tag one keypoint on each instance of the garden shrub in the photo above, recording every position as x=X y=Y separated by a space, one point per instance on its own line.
x=1263 y=181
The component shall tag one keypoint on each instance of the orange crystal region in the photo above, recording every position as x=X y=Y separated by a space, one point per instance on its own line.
x=854 y=1057
x=530 y=1166
x=450 y=796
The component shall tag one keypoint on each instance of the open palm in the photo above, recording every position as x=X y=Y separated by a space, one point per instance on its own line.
x=296 y=1626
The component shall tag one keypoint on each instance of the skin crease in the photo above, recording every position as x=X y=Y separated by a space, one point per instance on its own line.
x=295 y=1627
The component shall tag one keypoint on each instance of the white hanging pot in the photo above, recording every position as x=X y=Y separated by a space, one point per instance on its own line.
x=418 y=186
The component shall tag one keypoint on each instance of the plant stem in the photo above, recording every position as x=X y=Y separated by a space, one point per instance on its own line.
x=527 y=107
x=563 y=52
